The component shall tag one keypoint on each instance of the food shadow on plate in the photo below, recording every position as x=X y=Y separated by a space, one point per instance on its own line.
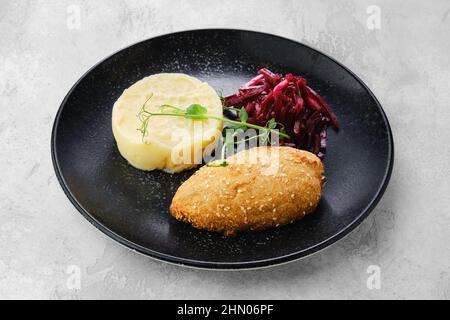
x=216 y=247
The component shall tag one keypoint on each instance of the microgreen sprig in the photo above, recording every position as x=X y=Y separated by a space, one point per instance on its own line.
x=199 y=112
x=229 y=141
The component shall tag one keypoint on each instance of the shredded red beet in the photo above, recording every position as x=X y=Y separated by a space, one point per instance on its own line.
x=302 y=111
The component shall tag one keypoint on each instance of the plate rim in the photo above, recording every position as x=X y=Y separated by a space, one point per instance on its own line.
x=225 y=265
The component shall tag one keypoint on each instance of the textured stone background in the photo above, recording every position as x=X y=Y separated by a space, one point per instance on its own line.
x=406 y=64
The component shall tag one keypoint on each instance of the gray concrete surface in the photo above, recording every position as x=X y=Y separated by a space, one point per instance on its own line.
x=405 y=62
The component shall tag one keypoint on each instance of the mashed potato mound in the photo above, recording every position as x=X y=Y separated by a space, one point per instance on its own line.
x=173 y=144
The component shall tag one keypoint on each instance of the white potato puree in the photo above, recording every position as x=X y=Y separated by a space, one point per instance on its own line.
x=173 y=144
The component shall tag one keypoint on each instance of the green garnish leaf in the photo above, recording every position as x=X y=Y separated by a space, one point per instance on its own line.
x=196 y=111
x=243 y=115
x=217 y=164
x=271 y=124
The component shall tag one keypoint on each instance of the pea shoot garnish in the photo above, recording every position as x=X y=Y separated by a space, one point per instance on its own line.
x=198 y=112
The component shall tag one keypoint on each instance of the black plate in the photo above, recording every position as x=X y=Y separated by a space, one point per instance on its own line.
x=131 y=206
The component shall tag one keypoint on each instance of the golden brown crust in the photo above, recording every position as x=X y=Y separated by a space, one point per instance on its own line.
x=260 y=188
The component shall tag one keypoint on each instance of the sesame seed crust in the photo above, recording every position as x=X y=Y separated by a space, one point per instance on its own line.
x=283 y=187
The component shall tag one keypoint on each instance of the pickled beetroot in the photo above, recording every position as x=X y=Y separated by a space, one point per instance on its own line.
x=303 y=113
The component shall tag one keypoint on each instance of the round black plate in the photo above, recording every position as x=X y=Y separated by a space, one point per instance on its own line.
x=131 y=206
